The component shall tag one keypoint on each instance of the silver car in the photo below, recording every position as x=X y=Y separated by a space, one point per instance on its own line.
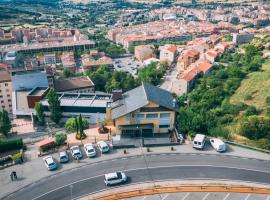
x=63 y=157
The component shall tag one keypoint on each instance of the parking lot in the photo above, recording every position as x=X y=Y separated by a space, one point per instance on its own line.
x=127 y=64
x=203 y=196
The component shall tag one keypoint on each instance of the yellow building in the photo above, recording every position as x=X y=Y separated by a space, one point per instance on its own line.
x=143 y=111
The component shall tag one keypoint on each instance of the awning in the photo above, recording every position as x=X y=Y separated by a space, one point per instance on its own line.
x=136 y=126
x=46 y=142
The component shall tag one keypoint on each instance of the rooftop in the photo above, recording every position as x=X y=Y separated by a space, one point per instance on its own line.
x=4 y=77
x=141 y=96
x=73 y=84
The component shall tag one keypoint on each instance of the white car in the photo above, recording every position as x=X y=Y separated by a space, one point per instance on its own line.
x=218 y=144
x=50 y=163
x=115 y=178
x=103 y=147
x=63 y=157
x=90 y=150
x=76 y=152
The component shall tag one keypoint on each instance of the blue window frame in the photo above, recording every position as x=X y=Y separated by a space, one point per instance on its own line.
x=165 y=115
x=140 y=116
x=151 y=116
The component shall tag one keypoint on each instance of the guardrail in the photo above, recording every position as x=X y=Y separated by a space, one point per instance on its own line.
x=248 y=147
x=161 y=190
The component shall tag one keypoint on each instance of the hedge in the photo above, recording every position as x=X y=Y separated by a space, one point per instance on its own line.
x=11 y=145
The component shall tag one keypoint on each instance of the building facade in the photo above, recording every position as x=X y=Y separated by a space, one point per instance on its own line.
x=141 y=112
x=5 y=92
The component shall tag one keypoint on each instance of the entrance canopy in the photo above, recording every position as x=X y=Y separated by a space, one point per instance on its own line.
x=137 y=130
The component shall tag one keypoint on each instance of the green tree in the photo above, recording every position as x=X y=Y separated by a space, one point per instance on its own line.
x=71 y=124
x=40 y=113
x=54 y=106
x=5 y=123
x=81 y=129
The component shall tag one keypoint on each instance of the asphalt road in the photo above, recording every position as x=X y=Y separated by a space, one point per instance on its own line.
x=89 y=178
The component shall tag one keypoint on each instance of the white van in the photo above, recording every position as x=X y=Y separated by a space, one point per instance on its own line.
x=103 y=147
x=199 y=141
x=218 y=144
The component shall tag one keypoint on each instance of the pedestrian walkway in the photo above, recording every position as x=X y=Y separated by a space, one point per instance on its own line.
x=34 y=169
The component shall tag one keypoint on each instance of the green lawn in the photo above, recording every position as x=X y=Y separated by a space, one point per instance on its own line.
x=254 y=89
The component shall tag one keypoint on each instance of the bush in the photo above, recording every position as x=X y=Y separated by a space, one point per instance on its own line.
x=17 y=156
x=70 y=125
x=264 y=144
x=60 y=139
x=11 y=145
x=268 y=100
x=247 y=97
x=251 y=111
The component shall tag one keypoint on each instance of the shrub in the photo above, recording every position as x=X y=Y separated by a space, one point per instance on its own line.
x=268 y=100
x=251 y=111
x=17 y=156
x=264 y=144
x=70 y=125
x=60 y=139
x=11 y=145
x=247 y=97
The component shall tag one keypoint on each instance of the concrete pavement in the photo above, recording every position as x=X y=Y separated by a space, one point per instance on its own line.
x=34 y=170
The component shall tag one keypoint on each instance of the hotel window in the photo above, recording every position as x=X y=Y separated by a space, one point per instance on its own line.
x=9 y=100
x=165 y=115
x=140 y=116
x=2 y=101
x=6 y=84
x=151 y=116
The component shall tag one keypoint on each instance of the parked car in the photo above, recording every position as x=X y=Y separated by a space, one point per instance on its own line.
x=76 y=152
x=63 y=157
x=50 y=163
x=218 y=144
x=90 y=150
x=103 y=147
x=115 y=178
x=199 y=141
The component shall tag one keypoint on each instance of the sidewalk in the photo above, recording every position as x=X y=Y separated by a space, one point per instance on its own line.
x=34 y=170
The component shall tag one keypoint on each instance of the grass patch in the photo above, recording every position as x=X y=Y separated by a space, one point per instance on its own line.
x=254 y=90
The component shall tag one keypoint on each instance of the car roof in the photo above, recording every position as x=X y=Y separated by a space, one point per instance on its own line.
x=49 y=159
x=102 y=143
x=63 y=153
x=88 y=145
x=74 y=147
x=199 y=137
x=217 y=140
x=111 y=175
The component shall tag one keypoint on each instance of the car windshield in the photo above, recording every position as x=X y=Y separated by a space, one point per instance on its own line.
x=90 y=150
x=77 y=153
x=51 y=164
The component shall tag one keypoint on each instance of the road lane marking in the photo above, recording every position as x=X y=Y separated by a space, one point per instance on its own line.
x=205 y=197
x=156 y=167
x=165 y=197
x=247 y=197
x=185 y=196
x=226 y=197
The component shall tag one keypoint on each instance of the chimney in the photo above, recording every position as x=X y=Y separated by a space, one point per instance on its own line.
x=117 y=95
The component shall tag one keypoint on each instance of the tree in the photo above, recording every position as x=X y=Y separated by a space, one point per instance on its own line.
x=5 y=123
x=80 y=135
x=54 y=106
x=72 y=124
x=40 y=113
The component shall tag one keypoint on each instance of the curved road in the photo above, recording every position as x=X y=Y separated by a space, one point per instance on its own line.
x=89 y=178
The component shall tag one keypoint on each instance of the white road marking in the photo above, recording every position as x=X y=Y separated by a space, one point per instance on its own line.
x=155 y=167
x=247 y=197
x=165 y=197
x=205 y=197
x=226 y=197
x=268 y=198
x=185 y=196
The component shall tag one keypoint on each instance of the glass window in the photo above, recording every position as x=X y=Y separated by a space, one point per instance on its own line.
x=164 y=126
x=151 y=116
x=165 y=115
x=140 y=116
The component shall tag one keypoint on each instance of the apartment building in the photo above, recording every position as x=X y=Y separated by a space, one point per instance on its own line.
x=144 y=52
x=5 y=91
x=168 y=53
